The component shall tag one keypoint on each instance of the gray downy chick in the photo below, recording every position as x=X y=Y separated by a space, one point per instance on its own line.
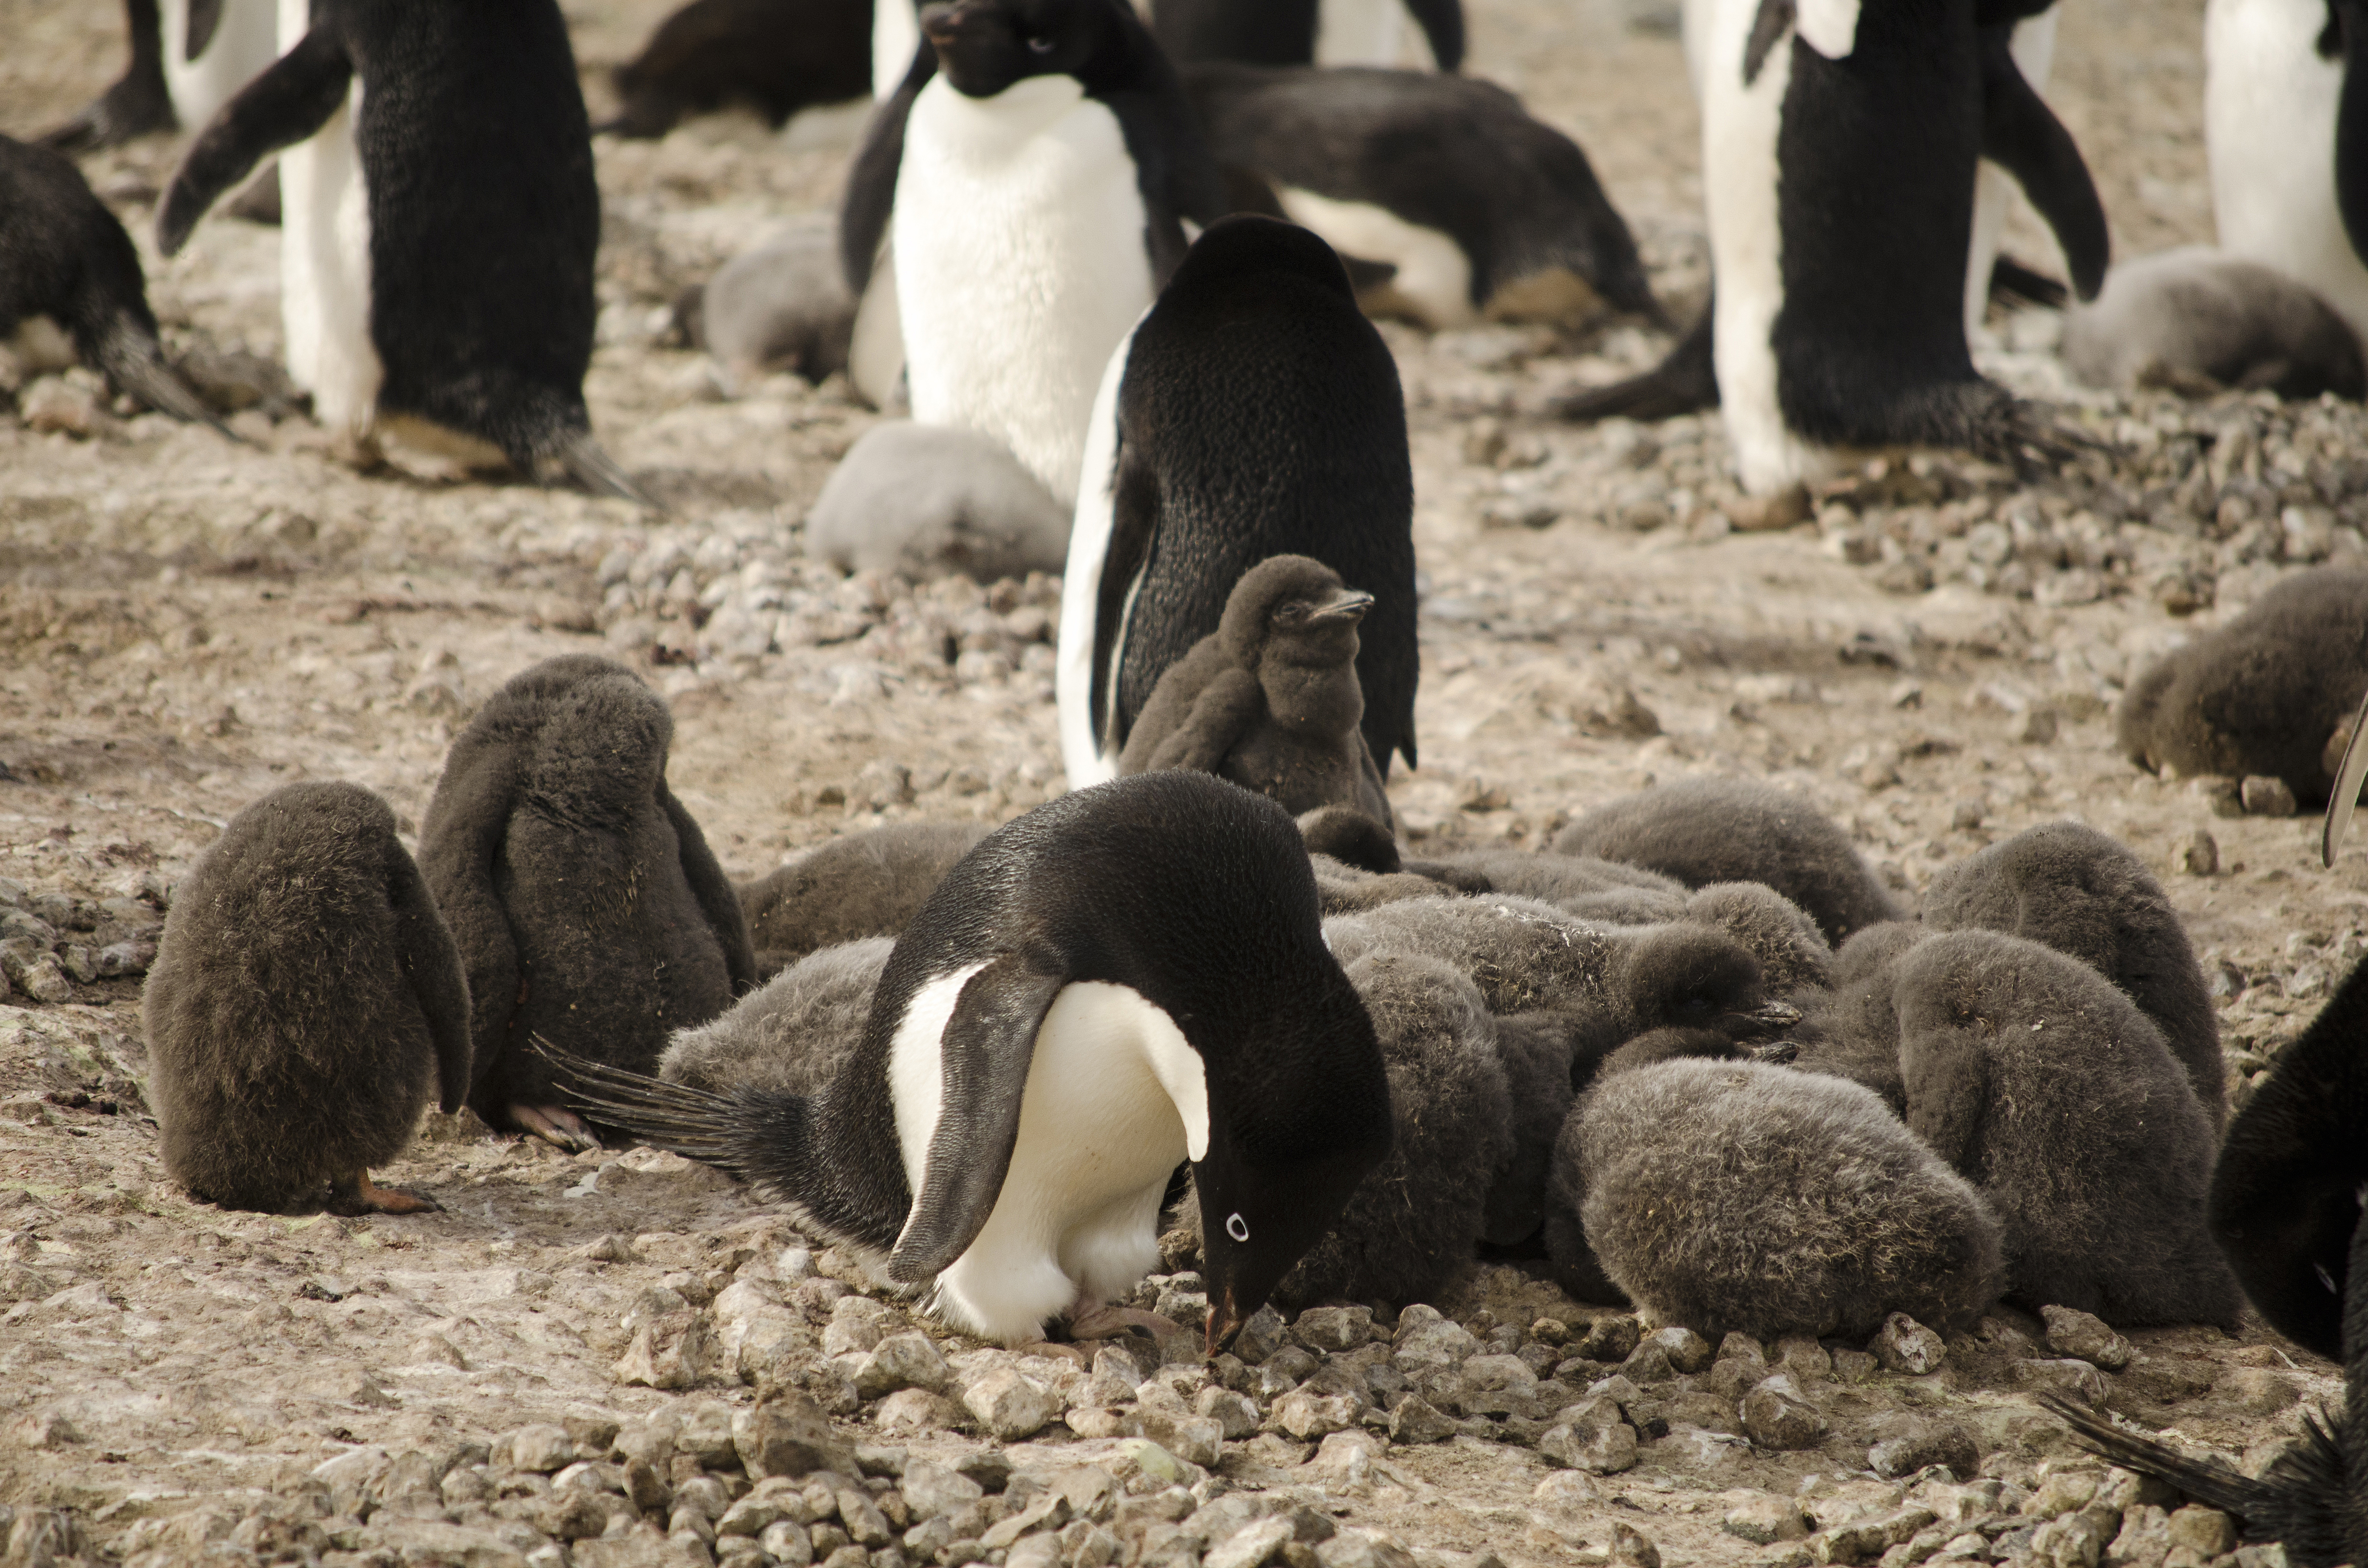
x=1344 y=888
x=306 y=1001
x=1348 y=835
x=790 y=1035
x=2200 y=321
x=586 y=906
x=1792 y=951
x=1738 y=830
x=862 y=884
x=930 y=501
x=1270 y=700
x=2046 y=1087
x=1821 y=1214
x=1605 y=892
x=2087 y=894
x=1852 y=1030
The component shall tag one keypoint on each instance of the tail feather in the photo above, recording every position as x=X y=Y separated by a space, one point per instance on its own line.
x=1685 y=381
x=691 y=1122
x=2208 y=1481
x=131 y=357
x=584 y=461
x=2011 y=280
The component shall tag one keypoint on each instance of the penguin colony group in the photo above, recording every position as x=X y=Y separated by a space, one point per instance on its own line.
x=1119 y=272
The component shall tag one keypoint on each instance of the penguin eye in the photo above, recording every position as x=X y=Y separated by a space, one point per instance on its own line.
x=1291 y=613
x=1237 y=1227
x=1039 y=46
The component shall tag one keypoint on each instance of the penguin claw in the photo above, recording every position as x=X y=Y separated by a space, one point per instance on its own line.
x=1116 y=1322
x=357 y=1195
x=554 y=1124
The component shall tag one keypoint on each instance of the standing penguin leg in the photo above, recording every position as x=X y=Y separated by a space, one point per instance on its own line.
x=1090 y=1319
x=356 y=1194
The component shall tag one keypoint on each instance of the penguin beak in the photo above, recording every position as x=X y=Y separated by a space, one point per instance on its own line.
x=940 y=23
x=1774 y=1018
x=1349 y=606
x=1226 y=1321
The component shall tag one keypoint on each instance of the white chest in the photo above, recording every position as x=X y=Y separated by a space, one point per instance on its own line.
x=1021 y=263
x=324 y=272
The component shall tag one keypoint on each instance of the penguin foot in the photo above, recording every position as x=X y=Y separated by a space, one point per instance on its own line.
x=1099 y=1322
x=1054 y=1350
x=356 y=1194
x=554 y=1124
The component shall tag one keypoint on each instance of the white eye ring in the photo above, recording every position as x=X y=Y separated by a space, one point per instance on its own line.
x=1237 y=1227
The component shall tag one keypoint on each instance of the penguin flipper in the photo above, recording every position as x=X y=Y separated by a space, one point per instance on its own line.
x=1226 y=706
x=718 y=900
x=459 y=841
x=289 y=101
x=1685 y=381
x=2022 y=135
x=2345 y=797
x=1135 y=519
x=871 y=198
x=986 y=1048
x=432 y=966
x=2352 y=126
x=1443 y=23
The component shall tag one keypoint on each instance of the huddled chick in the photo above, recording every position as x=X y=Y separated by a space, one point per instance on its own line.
x=864 y=884
x=790 y=1035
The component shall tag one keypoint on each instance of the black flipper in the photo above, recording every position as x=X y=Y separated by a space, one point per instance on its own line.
x=985 y=1050
x=718 y=900
x=2022 y=135
x=136 y=105
x=1443 y=23
x=433 y=967
x=1134 y=518
x=2351 y=125
x=2011 y=280
x=871 y=198
x=1684 y=383
x=290 y=101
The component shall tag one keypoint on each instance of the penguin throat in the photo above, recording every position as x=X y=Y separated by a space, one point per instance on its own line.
x=991 y=129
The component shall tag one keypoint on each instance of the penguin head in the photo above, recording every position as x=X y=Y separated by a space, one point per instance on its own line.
x=1295 y=609
x=1692 y=978
x=598 y=756
x=983 y=46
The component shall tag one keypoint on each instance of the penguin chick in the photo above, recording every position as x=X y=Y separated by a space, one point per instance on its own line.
x=2084 y=893
x=1604 y=891
x=1738 y=830
x=929 y=501
x=2272 y=692
x=306 y=1001
x=1852 y=1030
x=1535 y=1051
x=1270 y=700
x=1821 y=1214
x=586 y=905
x=1348 y=835
x=791 y=1035
x=63 y=255
x=1416 y=1219
x=1792 y=951
x=781 y=306
x=2199 y=320
x=2047 y=1088
x=863 y=884
x=1343 y=888
x=780 y=55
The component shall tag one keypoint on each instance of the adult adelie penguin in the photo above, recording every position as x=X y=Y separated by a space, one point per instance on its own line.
x=425 y=285
x=1034 y=173
x=187 y=57
x=1255 y=411
x=1125 y=978
x=1307 y=32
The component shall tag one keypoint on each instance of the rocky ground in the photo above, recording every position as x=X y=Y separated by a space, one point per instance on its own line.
x=566 y=1365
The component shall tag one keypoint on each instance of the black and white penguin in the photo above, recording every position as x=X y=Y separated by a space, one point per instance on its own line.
x=2199 y=320
x=307 y=1000
x=793 y=1034
x=1738 y=830
x=1840 y=144
x=187 y=57
x=1308 y=32
x=779 y=55
x=864 y=884
x=929 y=501
x=2272 y=692
x=1032 y=174
x=1821 y=1214
x=425 y=287
x=2086 y=894
x=1254 y=412
x=65 y=256
x=587 y=904
x=1270 y=700
x=1125 y=979
x=1477 y=208
x=2283 y=129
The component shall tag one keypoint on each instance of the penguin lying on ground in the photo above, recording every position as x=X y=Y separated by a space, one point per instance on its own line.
x=584 y=899
x=791 y=1035
x=187 y=57
x=395 y=315
x=1253 y=413
x=782 y=306
x=2086 y=894
x=929 y=501
x=863 y=884
x=1034 y=171
x=1415 y=1221
x=1852 y=1029
x=780 y=55
x=1480 y=208
x=2199 y=320
x=65 y=256
x=1343 y=887
x=1270 y=700
x=1535 y=1051
x=306 y=1001
x=1348 y=835
x=2272 y=692
x=1821 y=1215
x=1126 y=978
x=1602 y=891
x=2044 y=1086
x=1738 y=830
x=1793 y=954
x=1307 y=32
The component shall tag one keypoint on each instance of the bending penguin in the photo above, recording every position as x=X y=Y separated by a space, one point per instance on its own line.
x=396 y=309
x=1254 y=412
x=1125 y=978
x=1032 y=174
x=187 y=57
x=1308 y=32
x=780 y=55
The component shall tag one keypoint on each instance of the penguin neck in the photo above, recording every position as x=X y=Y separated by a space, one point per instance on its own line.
x=990 y=129
x=1325 y=697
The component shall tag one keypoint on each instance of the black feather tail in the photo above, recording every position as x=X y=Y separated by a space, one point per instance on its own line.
x=129 y=355
x=583 y=460
x=1684 y=383
x=691 y=1122
x=2207 y=1481
x=2011 y=282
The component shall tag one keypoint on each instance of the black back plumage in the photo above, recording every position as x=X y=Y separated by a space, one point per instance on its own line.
x=307 y=1000
x=1283 y=32
x=780 y=55
x=1259 y=415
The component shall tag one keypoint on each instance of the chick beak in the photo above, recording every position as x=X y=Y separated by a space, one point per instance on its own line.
x=1226 y=1321
x=1348 y=604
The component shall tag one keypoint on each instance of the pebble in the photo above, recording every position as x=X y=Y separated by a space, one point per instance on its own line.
x=2071 y=1332
x=2265 y=797
x=1776 y=1415
x=1907 y=1346
x=2198 y=855
x=1011 y=1406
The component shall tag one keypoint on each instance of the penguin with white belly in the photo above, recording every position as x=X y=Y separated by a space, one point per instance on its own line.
x=426 y=286
x=2286 y=128
x=1307 y=32
x=187 y=57
x=1035 y=171
x=1125 y=979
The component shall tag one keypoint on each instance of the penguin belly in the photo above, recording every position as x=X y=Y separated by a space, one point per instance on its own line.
x=244 y=40
x=1434 y=276
x=2270 y=105
x=1740 y=182
x=2034 y=48
x=1115 y=1100
x=1021 y=263
x=1359 y=33
x=324 y=275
